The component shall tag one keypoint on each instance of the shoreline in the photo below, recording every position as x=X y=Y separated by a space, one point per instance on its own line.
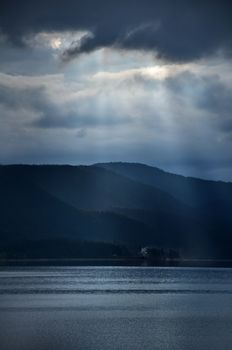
x=117 y=262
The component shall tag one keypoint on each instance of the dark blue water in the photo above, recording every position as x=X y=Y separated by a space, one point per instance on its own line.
x=115 y=308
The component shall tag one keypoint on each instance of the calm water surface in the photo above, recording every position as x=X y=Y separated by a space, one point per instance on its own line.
x=88 y=308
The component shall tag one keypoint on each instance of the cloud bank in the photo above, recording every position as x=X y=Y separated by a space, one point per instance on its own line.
x=146 y=81
x=177 y=30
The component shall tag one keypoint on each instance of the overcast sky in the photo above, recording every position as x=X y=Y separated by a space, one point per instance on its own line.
x=142 y=81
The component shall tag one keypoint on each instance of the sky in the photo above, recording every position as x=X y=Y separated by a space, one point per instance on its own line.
x=90 y=81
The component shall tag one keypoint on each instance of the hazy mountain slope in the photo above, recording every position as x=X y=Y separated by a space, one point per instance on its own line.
x=210 y=223
x=28 y=211
x=172 y=230
x=93 y=188
x=192 y=191
x=123 y=204
x=211 y=200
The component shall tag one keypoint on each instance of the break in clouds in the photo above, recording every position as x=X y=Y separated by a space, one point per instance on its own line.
x=150 y=81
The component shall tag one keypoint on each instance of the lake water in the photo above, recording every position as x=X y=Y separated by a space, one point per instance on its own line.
x=89 y=308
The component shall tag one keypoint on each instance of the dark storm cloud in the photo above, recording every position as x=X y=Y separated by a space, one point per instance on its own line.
x=178 y=30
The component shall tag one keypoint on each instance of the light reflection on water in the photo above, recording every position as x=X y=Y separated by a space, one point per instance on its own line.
x=115 y=308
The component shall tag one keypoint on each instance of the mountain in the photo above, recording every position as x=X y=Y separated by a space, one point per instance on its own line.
x=192 y=191
x=117 y=203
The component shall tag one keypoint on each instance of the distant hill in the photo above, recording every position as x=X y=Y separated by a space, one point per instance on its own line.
x=192 y=191
x=127 y=204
